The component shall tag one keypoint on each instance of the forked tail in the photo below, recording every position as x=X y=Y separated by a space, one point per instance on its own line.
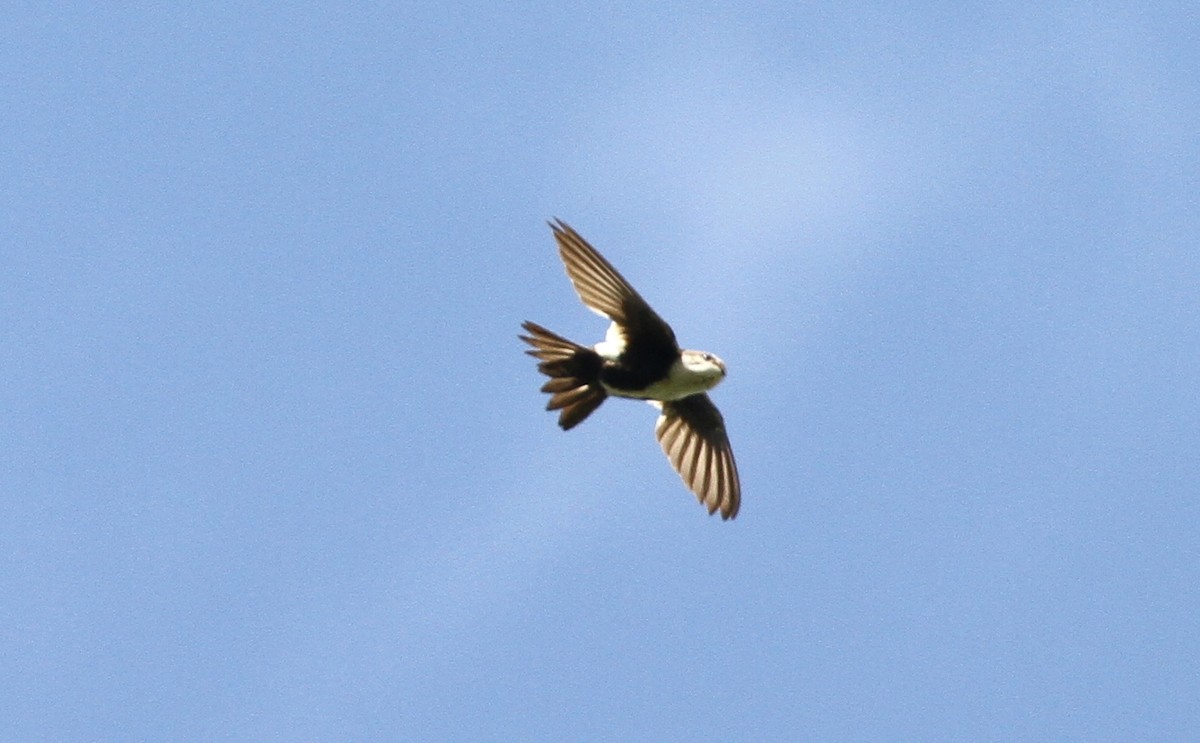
x=574 y=373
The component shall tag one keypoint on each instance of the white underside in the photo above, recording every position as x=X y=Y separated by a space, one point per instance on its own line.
x=613 y=344
x=679 y=384
x=681 y=381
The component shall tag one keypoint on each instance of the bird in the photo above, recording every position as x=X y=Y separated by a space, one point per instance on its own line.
x=638 y=359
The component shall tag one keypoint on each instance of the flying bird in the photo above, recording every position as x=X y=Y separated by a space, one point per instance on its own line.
x=638 y=359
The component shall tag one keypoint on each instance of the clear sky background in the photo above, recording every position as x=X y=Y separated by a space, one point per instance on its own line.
x=273 y=466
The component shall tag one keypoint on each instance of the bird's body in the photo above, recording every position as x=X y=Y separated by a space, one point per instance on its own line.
x=640 y=359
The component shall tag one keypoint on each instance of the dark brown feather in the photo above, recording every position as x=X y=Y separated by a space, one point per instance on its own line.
x=606 y=291
x=692 y=434
x=574 y=371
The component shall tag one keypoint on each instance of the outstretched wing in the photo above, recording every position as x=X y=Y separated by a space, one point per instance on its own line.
x=607 y=293
x=692 y=434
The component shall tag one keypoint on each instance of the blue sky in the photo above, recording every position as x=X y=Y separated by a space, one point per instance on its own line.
x=275 y=467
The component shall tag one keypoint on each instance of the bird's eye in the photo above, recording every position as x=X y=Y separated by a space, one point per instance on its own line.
x=708 y=357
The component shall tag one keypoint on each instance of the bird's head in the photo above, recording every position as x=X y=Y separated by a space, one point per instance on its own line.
x=704 y=365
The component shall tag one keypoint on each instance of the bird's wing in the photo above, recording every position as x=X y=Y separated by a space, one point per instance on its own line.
x=603 y=290
x=692 y=434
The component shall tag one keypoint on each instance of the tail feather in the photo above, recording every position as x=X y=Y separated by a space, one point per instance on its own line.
x=574 y=372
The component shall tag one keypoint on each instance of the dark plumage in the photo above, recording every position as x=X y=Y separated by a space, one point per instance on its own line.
x=638 y=359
